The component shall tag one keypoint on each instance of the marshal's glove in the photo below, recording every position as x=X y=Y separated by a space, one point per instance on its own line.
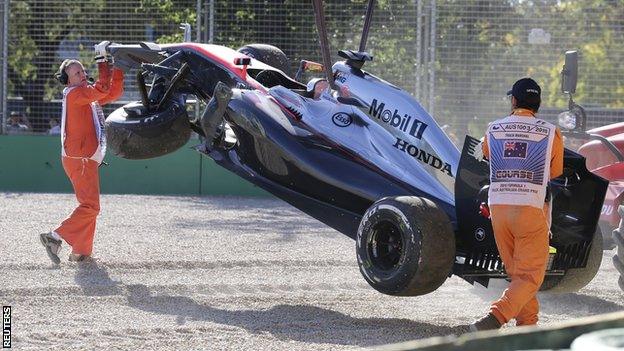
x=103 y=59
x=100 y=49
x=101 y=54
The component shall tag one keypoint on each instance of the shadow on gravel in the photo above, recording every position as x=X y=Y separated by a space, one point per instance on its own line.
x=303 y=322
x=277 y=230
x=290 y=322
x=94 y=280
x=573 y=304
x=226 y=202
x=576 y=304
x=262 y=215
x=288 y=228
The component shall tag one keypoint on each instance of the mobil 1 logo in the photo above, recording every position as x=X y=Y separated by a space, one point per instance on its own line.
x=405 y=123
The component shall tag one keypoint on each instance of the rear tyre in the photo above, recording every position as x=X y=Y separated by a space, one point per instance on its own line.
x=268 y=54
x=577 y=278
x=134 y=133
x=618 y=258
x=405 y=246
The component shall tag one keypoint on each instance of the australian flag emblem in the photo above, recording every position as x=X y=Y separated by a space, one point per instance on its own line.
x=516 y=149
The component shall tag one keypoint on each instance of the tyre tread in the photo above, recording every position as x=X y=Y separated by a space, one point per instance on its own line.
x=434 y=239
x=131 y=140
x=577 y=278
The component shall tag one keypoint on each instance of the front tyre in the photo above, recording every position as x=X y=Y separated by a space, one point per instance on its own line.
x=133 y=132
x=405 y=246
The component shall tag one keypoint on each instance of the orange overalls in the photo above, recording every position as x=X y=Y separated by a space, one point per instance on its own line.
x=521 y=233
x=83 y=148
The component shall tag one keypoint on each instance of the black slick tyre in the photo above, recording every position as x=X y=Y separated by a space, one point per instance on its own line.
x=132 y=132
x=405 y=246
x=577 y=278
x=268 y=54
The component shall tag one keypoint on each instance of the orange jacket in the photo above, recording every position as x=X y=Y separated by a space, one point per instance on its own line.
x=556 y=160
x=80 y=134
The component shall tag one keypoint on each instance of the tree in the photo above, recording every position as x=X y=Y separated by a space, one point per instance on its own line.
x=484 y=47
x=32 y=47
x=38 y=29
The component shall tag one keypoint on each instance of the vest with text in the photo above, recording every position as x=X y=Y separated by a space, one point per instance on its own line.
x=97 y=116
x=520 y=152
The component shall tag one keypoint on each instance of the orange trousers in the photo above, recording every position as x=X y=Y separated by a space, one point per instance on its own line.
x=522 y=239
x=78 y=230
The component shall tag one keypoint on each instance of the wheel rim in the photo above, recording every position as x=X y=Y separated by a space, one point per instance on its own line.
x=385 y=246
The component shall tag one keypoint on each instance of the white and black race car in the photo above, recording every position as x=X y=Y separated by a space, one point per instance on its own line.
x=364 y=158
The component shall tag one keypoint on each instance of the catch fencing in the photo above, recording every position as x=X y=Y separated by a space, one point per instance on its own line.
x=457 y=57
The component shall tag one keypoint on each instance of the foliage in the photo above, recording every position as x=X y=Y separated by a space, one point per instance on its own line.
x=481 y=45
x=41 y=31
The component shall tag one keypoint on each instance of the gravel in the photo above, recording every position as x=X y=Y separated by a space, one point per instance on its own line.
x=224 y=273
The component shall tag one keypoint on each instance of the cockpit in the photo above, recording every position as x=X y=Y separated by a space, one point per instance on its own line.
x=272 y=78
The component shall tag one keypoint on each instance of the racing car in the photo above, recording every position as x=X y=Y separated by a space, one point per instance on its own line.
x=363 y=157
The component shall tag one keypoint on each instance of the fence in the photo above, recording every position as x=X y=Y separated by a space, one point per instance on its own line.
x=458 y=57
x=4 y=22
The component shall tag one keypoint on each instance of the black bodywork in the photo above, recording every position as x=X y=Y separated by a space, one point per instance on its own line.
x=576 y=198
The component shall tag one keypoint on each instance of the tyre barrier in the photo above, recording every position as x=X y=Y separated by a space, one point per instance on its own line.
x=618 y=261
x=620 y=267
x=618 y=258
